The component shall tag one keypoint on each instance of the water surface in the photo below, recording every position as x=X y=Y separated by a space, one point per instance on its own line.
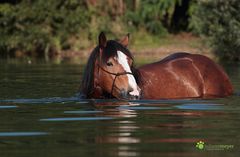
x=41 y=115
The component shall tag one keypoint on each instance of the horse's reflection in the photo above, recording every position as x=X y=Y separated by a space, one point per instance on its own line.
x=120 y=131
x=172 y=128
x=112 y=109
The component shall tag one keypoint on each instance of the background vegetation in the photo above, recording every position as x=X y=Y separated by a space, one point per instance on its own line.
x=40 y=28
x=219 y=22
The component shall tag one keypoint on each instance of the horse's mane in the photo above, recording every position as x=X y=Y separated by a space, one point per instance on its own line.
x=87 y=84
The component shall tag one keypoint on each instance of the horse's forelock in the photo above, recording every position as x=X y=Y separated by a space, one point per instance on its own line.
x=111 y=50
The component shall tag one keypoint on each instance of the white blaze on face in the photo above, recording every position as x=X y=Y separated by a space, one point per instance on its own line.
x=122 y=59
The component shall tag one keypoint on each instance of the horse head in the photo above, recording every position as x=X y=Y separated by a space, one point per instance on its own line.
x=113 y=70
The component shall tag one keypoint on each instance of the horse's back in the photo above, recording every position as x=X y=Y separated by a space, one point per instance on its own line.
x=172 y=77
x=216 y=81
x=182 y=75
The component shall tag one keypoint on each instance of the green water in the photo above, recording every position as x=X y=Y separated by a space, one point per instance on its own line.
x=40 y=115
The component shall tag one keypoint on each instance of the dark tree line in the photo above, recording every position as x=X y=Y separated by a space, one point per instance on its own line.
x=37 y=27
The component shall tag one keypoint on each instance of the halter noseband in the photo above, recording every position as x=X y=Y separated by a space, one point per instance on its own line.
x=115 y=74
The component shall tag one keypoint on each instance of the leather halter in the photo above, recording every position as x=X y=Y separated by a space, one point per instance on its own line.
x=115 y=74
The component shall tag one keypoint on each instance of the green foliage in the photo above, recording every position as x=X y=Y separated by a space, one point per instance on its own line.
x=219 y=22
x=105 y=18
x=153 y=15
x=40 y=27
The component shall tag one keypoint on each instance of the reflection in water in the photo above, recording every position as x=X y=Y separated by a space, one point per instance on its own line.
x=122 y=131
x=5 y=107
x=140 y=108
x=171 y=128
x=13 y=134
x=200 y=106
x=45 y=100
x=82 y=112
x=37 y=91
x=122 y=128
x=127 y=151
x=76 y=119
x=113 y=109
x=183 y=114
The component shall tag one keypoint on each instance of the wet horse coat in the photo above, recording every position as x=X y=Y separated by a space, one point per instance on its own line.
x=184 y=75
x=110 y=73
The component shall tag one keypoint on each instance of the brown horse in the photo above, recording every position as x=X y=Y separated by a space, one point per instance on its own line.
x=110 y=73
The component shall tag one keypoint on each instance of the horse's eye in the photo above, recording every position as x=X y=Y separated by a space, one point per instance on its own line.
x=109 y=64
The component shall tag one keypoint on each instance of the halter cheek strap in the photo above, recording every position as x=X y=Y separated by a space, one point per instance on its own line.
x=115 y=74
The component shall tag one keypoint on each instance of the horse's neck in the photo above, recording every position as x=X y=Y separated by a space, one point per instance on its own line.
x=98 y=92
x=140 y=77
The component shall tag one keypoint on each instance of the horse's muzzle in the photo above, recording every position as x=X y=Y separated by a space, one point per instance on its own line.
x=126 y=95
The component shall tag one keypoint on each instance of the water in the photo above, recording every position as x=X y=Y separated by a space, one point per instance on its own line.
x=41 y=115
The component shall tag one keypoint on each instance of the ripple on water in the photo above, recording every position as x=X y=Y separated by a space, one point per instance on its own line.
x=46 y=100
x=198 y=106
x=7 y=107
x=82 y=112
x=141 y=108
x=16 y=134
x=76 y=119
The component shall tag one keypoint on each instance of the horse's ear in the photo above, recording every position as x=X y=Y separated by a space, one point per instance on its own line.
x=102 y=40
x=125 y=40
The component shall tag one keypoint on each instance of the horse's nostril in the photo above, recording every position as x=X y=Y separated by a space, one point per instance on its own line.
x=130 y=89
x=133 y=97
x=137 y=97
